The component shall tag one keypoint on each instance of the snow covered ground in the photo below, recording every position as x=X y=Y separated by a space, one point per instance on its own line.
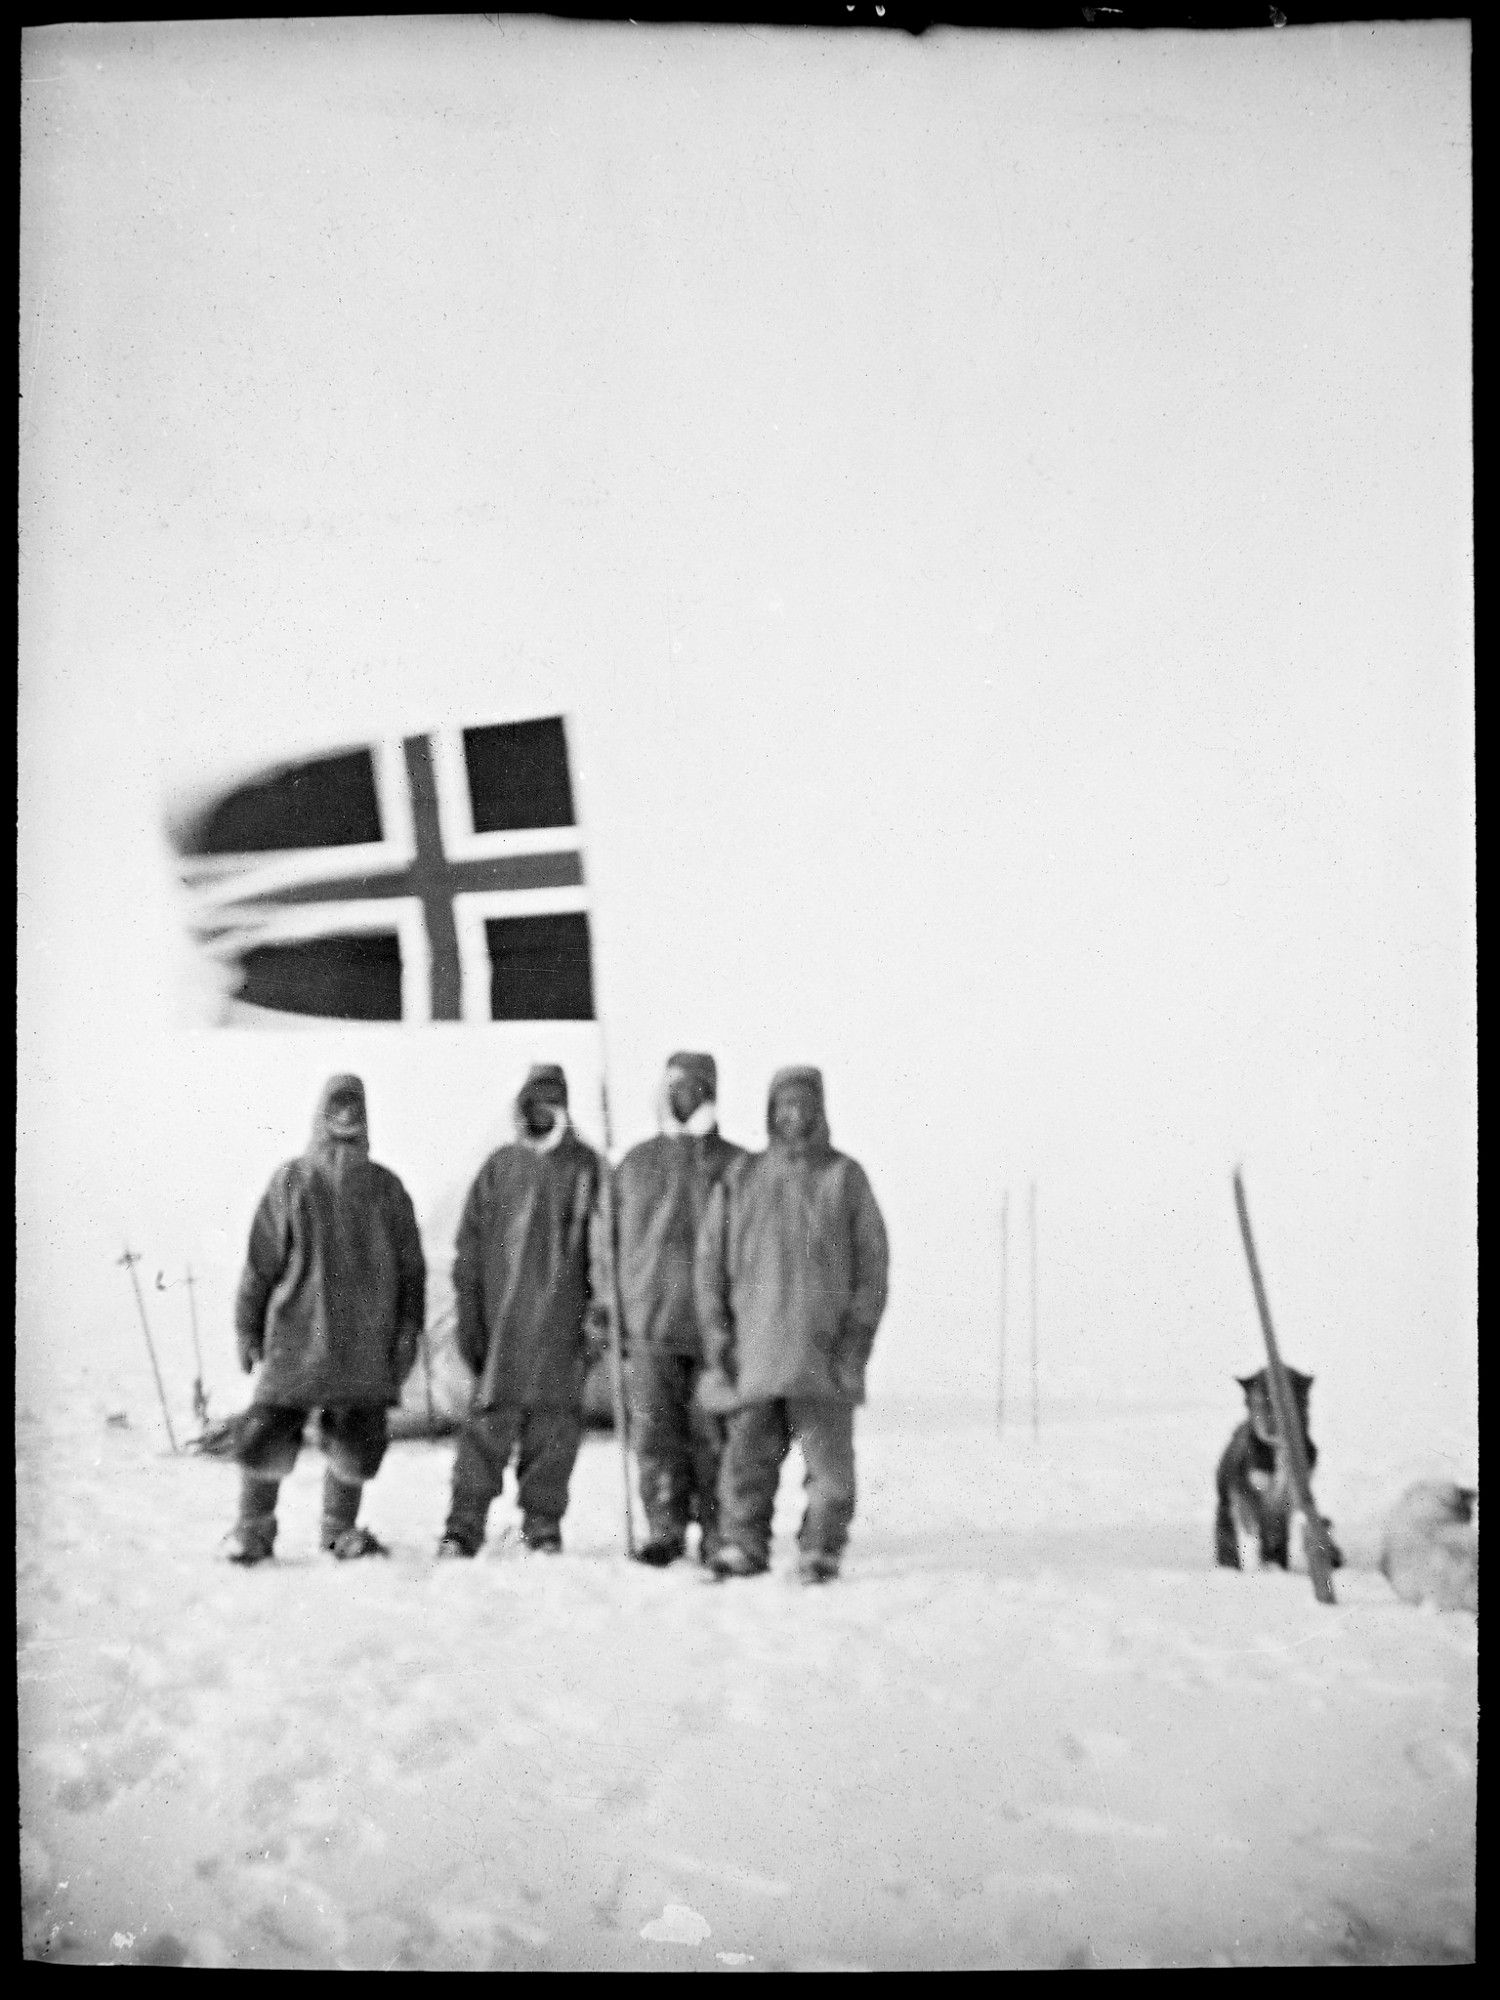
x=1032 y=1725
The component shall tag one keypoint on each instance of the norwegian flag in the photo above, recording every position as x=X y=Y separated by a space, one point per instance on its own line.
x=429 y=878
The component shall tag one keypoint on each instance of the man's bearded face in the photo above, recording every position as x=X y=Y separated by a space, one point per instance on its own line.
x=544 y=1102
x=685 y=1094
x=794 y=1116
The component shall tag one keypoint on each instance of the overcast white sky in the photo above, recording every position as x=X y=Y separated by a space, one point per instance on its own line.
x=997 y=510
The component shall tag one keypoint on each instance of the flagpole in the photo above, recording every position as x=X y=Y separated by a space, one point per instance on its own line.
x=580 y=821
x=607 y=1189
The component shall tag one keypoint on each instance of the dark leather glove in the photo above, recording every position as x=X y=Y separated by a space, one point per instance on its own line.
x=252 y=1349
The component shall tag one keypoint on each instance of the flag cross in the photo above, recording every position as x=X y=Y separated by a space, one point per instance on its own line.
x=435 y=880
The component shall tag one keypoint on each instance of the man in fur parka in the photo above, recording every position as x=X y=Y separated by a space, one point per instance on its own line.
x=659 y=1194
x=330 y=1309
x=522 y=1290
x=791 y=1282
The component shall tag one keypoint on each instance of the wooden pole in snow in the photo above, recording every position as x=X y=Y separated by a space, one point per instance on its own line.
x=1288 y=1421
x=130 y=1260
x=200 y=1400
x=1036 y=1412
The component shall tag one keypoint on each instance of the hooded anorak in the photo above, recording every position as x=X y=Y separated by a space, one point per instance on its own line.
x=521 y=1266
x=334 y=1288
x=661 y=1193
x=790 y=1271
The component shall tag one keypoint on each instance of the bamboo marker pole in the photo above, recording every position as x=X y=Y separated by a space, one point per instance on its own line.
x=1036 y=1411
x=200 y=1399
x=130 y=1260
x=1004 y=1303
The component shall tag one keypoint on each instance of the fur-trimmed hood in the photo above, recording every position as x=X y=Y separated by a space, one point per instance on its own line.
x=542 y=1073
x=339 y=1138
x=811 y=1079
x=700 y=1069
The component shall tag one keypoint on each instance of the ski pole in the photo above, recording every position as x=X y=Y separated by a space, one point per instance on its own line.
x=130 y=1260
x=200 y=1400
x=1287 y=1419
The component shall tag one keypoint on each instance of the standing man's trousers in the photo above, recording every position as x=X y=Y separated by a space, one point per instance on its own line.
x=546 y=1443
x=677 y=1446
x=759 y=1437
x=267 y=1441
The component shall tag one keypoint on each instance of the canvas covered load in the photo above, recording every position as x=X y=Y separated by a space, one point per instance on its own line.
x=440 y=1388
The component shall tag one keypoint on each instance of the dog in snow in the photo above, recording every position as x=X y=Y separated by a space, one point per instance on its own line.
x=1431 y=1550
x=1254 y=1477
